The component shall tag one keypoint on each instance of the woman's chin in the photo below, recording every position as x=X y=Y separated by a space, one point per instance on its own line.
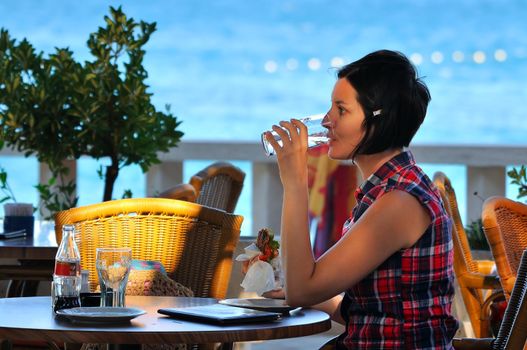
x=339 y=154
x=334 y=154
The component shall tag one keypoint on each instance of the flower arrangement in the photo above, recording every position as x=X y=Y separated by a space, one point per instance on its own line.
x=261 y=264
x=267 y=245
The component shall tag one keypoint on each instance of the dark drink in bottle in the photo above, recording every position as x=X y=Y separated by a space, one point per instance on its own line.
x=66 y=285
x=65 y=303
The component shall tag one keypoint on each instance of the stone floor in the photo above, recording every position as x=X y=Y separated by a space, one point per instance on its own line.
x=310 y=342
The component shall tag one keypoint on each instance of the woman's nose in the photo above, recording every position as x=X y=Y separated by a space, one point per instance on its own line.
x=326 y=122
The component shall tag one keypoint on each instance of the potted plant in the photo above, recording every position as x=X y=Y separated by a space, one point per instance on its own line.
x=59 y=109
x=17 y=216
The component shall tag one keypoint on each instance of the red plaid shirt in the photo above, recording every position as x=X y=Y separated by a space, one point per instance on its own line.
x=406 y=302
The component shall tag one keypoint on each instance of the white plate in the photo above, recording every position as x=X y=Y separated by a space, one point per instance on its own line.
x=264 y=304
x=100 y=314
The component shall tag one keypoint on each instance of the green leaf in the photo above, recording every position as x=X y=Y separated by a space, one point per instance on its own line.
x=127 y=194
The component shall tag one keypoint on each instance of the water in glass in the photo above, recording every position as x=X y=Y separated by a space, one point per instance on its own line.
x=113 y=268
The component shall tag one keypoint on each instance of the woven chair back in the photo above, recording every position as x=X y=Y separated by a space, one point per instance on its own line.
x=473 y=283
x=460 y=237
x=505 y=225
x=513 y=329
x=219 y=186
x=194 y=243
x=512 y=334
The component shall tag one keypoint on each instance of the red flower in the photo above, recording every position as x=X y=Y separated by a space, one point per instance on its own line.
x=267 y=245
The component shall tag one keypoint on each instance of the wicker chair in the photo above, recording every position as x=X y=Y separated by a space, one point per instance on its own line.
x=513 y=329
x=473 y=276
x=194 y=243
x=219 y=186
x=505 y=225
x=184 y=192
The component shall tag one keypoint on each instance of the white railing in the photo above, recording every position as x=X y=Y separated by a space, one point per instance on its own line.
x=485 y=171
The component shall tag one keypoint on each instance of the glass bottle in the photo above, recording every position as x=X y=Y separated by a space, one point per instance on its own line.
x=66 y=283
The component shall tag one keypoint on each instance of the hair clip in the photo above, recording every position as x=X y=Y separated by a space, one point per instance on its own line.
x=377 y=112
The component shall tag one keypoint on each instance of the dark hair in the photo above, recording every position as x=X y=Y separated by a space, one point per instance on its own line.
x=387 y=81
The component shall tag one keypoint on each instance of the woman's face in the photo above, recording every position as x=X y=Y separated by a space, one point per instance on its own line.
x=345 y=120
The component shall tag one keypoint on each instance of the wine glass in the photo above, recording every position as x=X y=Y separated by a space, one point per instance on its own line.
x=113 y=268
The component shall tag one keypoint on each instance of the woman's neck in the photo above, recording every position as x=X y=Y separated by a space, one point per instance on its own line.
x=369 y=163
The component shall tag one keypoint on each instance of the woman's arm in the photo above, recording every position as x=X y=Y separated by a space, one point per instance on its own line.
x=332 y=308
x=395 y=221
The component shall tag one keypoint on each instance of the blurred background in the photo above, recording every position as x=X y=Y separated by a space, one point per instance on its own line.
x=230 y=69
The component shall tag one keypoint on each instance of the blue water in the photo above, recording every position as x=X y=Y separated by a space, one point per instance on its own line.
x=230 y=69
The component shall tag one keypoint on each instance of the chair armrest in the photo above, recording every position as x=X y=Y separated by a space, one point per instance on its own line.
x=479 y=281
x=485 y=266
x=472 y=343
x=183 y=192
x=508 y=284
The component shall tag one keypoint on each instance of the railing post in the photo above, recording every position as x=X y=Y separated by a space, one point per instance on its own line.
x=161 y=177
x=487 y=181
x=267 y=197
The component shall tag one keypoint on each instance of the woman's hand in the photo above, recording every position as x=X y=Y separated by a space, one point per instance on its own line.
x=275 y=294
x=292 y=155
x=247 y=263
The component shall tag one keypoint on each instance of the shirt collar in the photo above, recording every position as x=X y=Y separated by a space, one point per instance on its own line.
x=392 y=166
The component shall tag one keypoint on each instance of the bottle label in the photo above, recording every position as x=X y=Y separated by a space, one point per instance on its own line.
x=66 y=268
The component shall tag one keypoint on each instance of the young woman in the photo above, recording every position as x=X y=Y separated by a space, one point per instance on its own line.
x=389 y=278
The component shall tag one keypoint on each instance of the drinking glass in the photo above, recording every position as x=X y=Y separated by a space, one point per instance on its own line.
x=317 y=134
x=113 y=268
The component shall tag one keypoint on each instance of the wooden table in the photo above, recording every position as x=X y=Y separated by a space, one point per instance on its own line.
x=32 y=318
x=30 y=259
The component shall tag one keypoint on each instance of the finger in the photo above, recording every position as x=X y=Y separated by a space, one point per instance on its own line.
x=272 y=140
x=302 y=130
x=281 y=131
x=254 y=259
x=292 y=129
x=245 y=266
x=293 y=138
x=301 y=126
x=276 y=138
x=283 y=137
x=274 y=294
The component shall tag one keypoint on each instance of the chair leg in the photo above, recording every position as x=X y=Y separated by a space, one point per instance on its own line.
x=5 y=344
x=14 y=289
x=29 y=288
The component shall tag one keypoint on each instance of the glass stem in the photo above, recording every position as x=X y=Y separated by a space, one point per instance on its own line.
x=115 y=297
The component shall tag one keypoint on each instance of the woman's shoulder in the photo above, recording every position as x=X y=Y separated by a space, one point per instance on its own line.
x=413 y=180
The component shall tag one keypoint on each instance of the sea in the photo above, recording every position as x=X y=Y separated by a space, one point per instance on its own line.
x=231 y=68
